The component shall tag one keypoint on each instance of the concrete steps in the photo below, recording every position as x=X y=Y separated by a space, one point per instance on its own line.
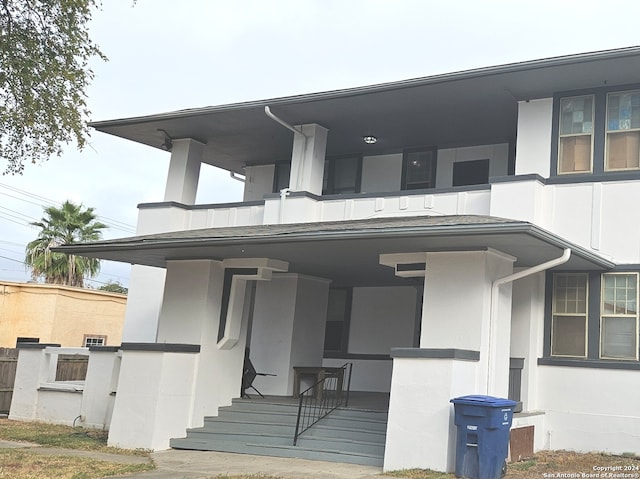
x=266 y=428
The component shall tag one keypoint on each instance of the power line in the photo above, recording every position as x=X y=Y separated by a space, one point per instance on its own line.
x=113 y=223
x=11 y=259
x=21 y=223
x=18 y=213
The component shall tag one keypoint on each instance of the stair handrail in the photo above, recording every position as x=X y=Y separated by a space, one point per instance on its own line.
x=312 y=408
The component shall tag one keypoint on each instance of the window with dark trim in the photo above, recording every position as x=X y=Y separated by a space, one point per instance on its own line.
x=336 y=333
x=471 y=172
x=619 y=316
x=419 y=169
x=597 y=132
x=94 y=340
x=342 y=175
x=281 y=176
x=593 y=316
x=21 y=340
x=569 y=318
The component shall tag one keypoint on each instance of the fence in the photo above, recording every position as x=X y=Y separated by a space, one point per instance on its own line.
x=8 y=363
x=71 y=367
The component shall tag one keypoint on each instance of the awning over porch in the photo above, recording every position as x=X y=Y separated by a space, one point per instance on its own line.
x=347 y=251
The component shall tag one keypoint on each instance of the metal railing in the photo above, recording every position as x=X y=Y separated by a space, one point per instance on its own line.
x=324 y=396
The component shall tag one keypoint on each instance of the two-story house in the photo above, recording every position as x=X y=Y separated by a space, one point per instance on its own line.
x=431 y=231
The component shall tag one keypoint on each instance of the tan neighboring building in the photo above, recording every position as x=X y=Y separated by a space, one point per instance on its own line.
x=49 y=313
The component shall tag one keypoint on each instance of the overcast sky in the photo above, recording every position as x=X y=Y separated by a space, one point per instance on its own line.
x=166 y=55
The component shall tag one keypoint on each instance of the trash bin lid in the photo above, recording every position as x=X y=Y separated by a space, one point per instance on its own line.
x=479 y=400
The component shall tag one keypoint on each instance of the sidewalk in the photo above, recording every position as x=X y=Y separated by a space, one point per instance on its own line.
x=174 y=464
x=177 y=464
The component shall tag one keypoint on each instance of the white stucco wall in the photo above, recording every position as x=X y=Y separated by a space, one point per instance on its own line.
x=382 y=318
x=527 y=333
x=533 y=144
x=421 y=432
x=367 y=374
x=259 y=181
x=588 y=409
x=381 y=173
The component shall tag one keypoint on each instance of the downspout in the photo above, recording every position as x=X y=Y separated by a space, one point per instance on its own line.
x=495 y=289
x=296 y=131
x=284 y=192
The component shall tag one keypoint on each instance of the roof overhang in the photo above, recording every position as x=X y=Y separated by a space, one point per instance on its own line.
x=470 y=107
x=347 y=252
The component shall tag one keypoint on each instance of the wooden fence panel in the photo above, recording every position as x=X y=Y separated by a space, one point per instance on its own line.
x=8 y=364
x=72 y=367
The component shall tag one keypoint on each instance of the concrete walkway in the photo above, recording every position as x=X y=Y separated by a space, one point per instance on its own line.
x=175 y=464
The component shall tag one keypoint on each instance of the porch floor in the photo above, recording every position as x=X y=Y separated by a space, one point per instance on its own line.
x=368 y=401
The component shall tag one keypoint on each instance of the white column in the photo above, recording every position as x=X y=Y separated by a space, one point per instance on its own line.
x=146 y=283
x=184 y=171
x=457 y=310
x=288 y=328
x=307 y=159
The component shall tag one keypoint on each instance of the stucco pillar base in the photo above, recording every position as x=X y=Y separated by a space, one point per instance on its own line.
x=421 y=433
x=155 y=395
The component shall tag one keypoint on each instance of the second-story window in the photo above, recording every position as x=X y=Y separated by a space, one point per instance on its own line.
x=623 y=131
x=281 y=176
x=342 y=175
x=419 y=169
x=576 y=135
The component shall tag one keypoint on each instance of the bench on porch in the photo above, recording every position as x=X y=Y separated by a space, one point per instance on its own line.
x=317 y=374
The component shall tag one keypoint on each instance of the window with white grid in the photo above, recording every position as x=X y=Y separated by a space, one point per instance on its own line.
x=94 y=340
x=569 y=319
x=619 y=316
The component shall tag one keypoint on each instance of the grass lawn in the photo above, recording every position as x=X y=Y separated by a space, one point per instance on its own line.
x=553 y=465
x=52 y=435
x=28 y=464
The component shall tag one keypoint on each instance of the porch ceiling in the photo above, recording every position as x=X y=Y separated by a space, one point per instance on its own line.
x=471 y=107
x=347 y=252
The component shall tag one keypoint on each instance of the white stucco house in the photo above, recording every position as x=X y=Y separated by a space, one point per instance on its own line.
x=431 y=231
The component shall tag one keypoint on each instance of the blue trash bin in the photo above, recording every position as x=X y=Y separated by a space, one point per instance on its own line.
x=482 y=444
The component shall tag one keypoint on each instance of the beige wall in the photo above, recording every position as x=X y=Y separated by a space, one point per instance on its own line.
x=59 y=314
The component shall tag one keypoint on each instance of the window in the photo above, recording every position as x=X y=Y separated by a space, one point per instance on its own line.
x=94 y=340
x=473 y=172
x=569 y=315
x=619 y=316
x=281 y=176
x=623 y=131
x=20 y=340
x=575 y=146
x=342 y=175
x=419 y=169
x=336 y=333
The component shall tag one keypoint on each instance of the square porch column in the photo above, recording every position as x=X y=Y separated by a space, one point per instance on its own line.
x=307 y=159
x=464 y=349
x=287 y=329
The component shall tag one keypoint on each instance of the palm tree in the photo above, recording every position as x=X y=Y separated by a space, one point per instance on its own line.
x=65 y=225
